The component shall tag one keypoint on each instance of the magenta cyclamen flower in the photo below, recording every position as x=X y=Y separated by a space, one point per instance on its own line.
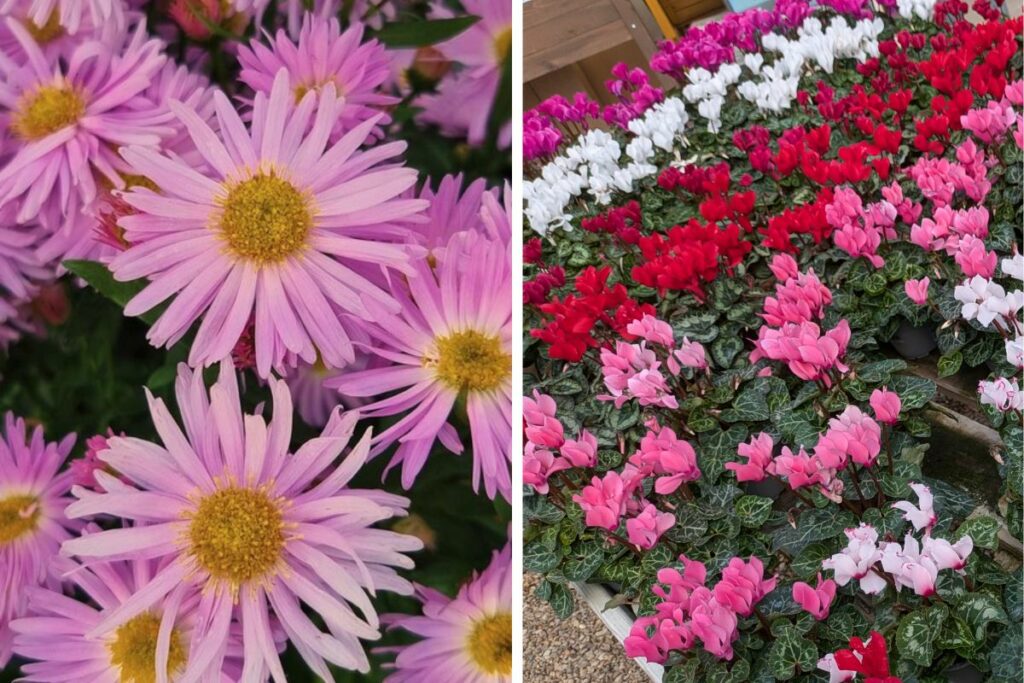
x=580 y=452
x=917 y=290
x=662 y=453
x=852 y=434
x=538 y=466
x=743 y=585
x=265 y=231
x=645 y=529
x=809 y=354
x=631 y=371
x=250 y=529
x=758 y=452
x=325 y=55
x=815 y=599
x=452 y=339
x=467 y=639
x=68 y=123
x=604 y=501
x=33 y=497
x=886 y=405
x=56 y=632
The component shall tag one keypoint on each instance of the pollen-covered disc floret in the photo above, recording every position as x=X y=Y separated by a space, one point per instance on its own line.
x=133 y=649
x=471 y=361
x=46 y=111
x=490 y=644
x=265 y=218
x=19 y=515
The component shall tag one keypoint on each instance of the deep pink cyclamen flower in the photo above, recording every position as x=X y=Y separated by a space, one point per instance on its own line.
x=815 y=599
x=974 y=259
x=645 y=529
x=604 y=500
x=853 y=433
x=67 y=123
x=991 y=123
x=758 y=452
x=714 y=622
x=252 y=529
x=886 y=405
x=743 y=585
x=542 y=426
x=671 y=458
x=631 y=372
x=799 y=299
x=265 y=230
x=917 y=290
x=451 y=339
x=324 y=54
x=809 y=354
x=56 y=630
x=580 y=452
x=784 y=267
x=465 y=639
x=538 y=466
x=922 y=516
x=33 y=497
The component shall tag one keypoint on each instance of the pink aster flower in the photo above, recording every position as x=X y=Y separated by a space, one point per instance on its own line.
x=758 y=452
x=56 y=631
x=451 y=209
x=922 y=516
x=265 y=229
x=324 y=54
x=21 y=270
x=33 y=497
x=254 y=529
x=314 y=401
x=917 y=290
x=465 y=639
x=886 y=405
x=452 y=338
x=84 y=469
x=71 y=15
x=645 y=529
x=68 y=123
x=815 y=600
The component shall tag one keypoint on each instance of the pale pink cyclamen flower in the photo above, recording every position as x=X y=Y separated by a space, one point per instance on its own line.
x=265 y=230
x=308 y=537
x=130 y=654
x=758 y=452
x=815 y=600
x=322 y=55
x=829 y=665
x=461 y=107
x=743 y=585
x=886 y=405
x=922 y=516
x=33 y=497
x=1002 y=393
x=672 y=459
x=542 y=426
x=452 y=338
x=604 y=500
x=948 y=555
x=580 y=452
x=68 y=123
x=652 y=330
x=917 y=290
x=631 y=371
x=689 y=355
x=858 y=559
x=1015 y=351
x=909 y=567
x=853 y=433
x=538 y=466
x=974 y=259
x=465 y=639
x=645 y=529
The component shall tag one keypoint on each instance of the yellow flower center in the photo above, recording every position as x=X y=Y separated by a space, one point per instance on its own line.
x=133 y=650
x=47 y=110
x=48 y=31
x=490 y=644
x=503 y=44
x=19 y=515
x=471 y=361
x=265 y=218
x=237 y=534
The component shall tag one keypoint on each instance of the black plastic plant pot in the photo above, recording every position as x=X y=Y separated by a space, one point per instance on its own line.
x=769 y=488
x=964 y=672
x=913 y=341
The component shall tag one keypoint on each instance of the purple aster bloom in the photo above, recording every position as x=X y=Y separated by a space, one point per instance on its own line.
x=33 y=497
x=266 y=230
x=451 y=209
x=68 y=122
x=467 y=639
x=324 y=54
x=451 y=346
x=55 y=632
x=70 y=15
x=256 y=530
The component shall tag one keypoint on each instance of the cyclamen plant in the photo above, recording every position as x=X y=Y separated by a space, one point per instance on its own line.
x=232 y=265
x=716 y=296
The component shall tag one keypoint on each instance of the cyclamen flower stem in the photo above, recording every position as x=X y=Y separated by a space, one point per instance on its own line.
x=888 y=449
x=856 y=486
x=807 y=501
x=622 y=541
x=878 y=485
x=764 y=622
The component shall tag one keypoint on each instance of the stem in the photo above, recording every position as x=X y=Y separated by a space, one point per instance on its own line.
x=622 y=541
x=878 y=487
x=807 y=501
x=764 y=622
x=856 y=485
x=888 y=448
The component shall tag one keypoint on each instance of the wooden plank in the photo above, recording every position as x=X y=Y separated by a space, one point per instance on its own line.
x=574 y=49
x=545 y=25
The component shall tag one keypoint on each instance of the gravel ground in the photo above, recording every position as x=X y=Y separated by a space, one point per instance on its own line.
x=577 y=650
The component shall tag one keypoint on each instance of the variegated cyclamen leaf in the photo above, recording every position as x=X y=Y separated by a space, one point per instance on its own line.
x=916 y=634
x=979 y=610
x=982 y=529
x=1005 y=658
x=753 y=511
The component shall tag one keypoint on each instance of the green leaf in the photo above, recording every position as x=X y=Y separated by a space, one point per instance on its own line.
x=753 y=511
x=97 y=275
x=917 y=633
x=421 y=33
x=879 y=372
x=537 y=557
x=982 y=529
x=791 y=653
x=1013 y=597
x=979 y=610
x=1005 y=658
x=812 y=525
x=914 y=392
x=807 y=564
x=587 y=557
x=562 y=601
x=725 y=349
x=949 y=363
x=541 y=509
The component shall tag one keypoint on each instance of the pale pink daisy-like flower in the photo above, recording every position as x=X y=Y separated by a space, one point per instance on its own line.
x=324 y=54
x=33 y=497
x=70 y=15
x=452 y=343
x=257 y=530
x=266 y=231
x=466 y=639
x=55 y=632
x=67 y=123
x=53 y=39
x=451 y=209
